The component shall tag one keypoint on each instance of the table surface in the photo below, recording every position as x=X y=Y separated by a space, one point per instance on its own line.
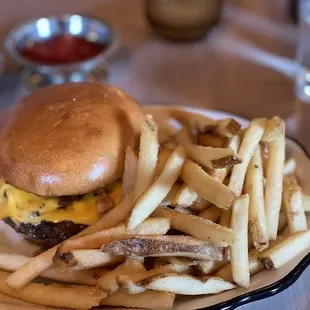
x=244 y=66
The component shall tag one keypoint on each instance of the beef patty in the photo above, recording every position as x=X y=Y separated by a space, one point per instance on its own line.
x=46 y=233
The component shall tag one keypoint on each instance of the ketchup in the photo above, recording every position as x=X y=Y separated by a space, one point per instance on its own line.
x=62 y=49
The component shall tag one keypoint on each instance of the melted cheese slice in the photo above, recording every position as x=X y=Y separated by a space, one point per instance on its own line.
x=24 y=207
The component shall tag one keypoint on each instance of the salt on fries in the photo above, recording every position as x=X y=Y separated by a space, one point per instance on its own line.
x=216 y=158
x=66 y=296
x=293 y=204
x=153 y=196
x=190 y=180
x=274 y=181
x=158 y=246
x=185 y=196
x=130 y=172
x=197 y=227
x=86 y=259
x=206 y=186
x=108 y=281
x=185 y=284
x=147 y=156
x=239 y=250
x=147 y=300
x=11 y=262
x=255 y=188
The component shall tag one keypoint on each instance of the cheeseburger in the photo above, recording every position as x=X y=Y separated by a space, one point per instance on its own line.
x=62 y=156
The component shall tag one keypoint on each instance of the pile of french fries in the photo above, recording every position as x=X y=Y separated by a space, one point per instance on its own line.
x=202 y=210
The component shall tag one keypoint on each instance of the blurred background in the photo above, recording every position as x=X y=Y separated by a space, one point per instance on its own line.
x=234 y=55
x=243 y=62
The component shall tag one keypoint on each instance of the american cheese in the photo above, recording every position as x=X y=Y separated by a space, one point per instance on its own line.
x=24 y=207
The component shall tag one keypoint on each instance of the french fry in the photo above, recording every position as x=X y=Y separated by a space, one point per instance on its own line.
x=225 y=273
x=193 y=120
x=185 y=284
x=60 y=296
x=210 y=267
x=159 y=246
x=306 y=202
x=249 y=143
x=210 y=157
x=105 y=204
x=171 y=145
x=147 y=156
x=289 y=166
x=95 y=240
x=199 y=205
x=159 y=262
x=170 y=196
x=147 y=300
x=210 y=139
x=86 y=259
x=164 y=135
x=273 y=188
x=108 y=281
x=184 y=210
x=286 y=250
x=204 y=267
x=135 y=277
x=212 y=213
x=184 y=137
x=185 y=196
x=281 y=225
x=205 y=186
x=181 y=260
x=163 y=156
x=254 y=187
x=233 y=143
x=282 y=221
x=225 y=219
x=156 y=193
x=11 y=262
x=128 y=283
x=255 y=266
x=130 y=172
x=227 y=128
x=293 y=204
x=239 y=250
x=179 y=268
x=218 y=174
x=275 y=127
x=197 y=227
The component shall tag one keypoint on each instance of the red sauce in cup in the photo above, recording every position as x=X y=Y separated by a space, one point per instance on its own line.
x=63 y=49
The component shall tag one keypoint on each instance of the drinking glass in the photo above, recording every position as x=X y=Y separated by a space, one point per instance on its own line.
x=302 y=80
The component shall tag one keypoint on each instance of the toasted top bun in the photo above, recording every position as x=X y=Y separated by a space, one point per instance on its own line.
x=68 y=139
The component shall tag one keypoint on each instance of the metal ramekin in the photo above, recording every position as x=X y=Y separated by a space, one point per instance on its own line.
x=45 y=28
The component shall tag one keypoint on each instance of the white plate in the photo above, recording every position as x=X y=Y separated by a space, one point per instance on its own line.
x=263 y=285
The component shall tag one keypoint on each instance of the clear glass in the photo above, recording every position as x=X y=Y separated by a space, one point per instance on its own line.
x=302 y=82
x=300 y=123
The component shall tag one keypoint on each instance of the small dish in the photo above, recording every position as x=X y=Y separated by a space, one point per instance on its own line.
x=44 y=29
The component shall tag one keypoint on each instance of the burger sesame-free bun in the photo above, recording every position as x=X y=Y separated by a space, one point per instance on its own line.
x=68 y=139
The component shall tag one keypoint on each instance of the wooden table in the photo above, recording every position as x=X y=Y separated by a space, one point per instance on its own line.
x=244 y=66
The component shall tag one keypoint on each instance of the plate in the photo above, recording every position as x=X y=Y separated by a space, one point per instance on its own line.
x=263 y=284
